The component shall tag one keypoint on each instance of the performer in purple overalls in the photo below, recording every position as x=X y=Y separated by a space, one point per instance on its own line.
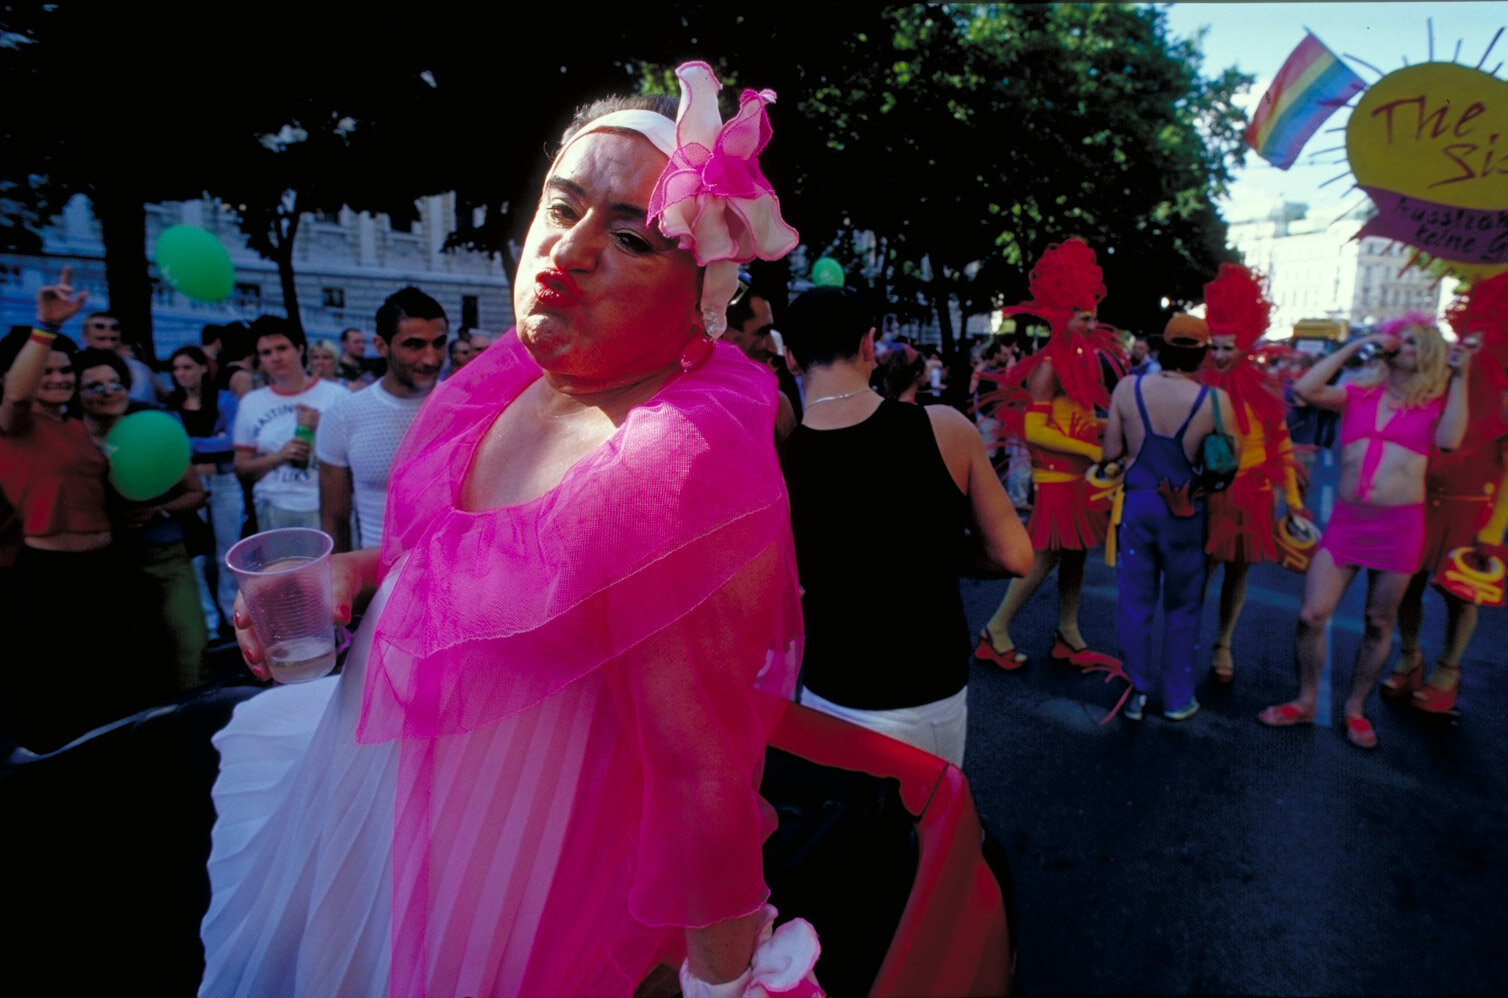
x=1157 y=422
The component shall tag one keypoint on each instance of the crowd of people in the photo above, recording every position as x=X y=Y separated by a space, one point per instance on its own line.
x=1130 y=473
x=157 y=565
x=592 y=560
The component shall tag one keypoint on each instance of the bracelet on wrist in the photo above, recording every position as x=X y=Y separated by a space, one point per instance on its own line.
x=42 y=336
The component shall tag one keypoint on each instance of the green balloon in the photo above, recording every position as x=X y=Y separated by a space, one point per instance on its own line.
x=148 y=451
x=827 y=273
x=193 y=261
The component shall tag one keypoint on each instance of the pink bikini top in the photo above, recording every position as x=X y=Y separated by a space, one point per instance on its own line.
x=1412 y=429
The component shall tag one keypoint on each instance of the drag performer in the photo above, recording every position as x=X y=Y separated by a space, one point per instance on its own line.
x=1064 y=385
x=1156 y=428
x=1412 y=403
x=550 y=786
x=1241 y=516
x=1465 y=503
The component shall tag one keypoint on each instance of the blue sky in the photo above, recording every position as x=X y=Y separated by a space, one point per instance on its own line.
x=1257 y=37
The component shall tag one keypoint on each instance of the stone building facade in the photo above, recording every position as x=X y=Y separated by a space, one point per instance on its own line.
x=345 y=265
x=1319 y=270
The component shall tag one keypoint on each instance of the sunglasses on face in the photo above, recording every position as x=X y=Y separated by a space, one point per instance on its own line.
x=102 y=388
x=104 y=325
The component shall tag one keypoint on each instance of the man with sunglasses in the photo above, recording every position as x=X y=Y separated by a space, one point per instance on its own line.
x=102 y=331
x=360 y=434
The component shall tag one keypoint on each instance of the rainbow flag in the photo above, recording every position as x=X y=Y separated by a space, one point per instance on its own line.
x=1308 y=89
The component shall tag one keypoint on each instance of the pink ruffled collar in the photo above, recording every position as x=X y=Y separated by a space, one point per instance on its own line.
x=504 y=607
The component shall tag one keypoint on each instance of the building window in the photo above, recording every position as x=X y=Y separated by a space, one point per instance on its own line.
x=332 y=297
x=248 y=295
x=162 y=291
x=10 y=273
x=469 y=316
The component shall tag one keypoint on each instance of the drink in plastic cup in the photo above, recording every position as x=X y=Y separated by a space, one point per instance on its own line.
x=284 y=576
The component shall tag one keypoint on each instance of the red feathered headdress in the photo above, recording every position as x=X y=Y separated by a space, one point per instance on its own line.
x=1482 y=310
x=1066 y=279
x=1235 y=304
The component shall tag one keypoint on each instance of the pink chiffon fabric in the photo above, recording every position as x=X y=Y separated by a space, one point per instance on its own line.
x=638 y=626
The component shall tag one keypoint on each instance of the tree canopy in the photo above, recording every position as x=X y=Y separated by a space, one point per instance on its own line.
x=955 y=140
x=969 y=137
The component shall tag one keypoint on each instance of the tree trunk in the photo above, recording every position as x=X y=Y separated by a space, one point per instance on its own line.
x=284 y=256
x=123 y=229
x=510 y=262
x=941 y=302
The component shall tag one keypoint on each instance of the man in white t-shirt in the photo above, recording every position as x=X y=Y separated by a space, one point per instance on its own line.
x=270 y=455
x=358 y=437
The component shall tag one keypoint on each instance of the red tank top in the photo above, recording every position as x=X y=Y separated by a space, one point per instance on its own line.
x=54 y=476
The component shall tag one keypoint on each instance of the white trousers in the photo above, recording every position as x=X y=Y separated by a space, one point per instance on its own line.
x=939 y=727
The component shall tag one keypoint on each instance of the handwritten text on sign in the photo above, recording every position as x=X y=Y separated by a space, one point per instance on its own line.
x=1429 y=144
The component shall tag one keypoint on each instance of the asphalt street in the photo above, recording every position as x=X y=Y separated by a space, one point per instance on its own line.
x=1220 y=856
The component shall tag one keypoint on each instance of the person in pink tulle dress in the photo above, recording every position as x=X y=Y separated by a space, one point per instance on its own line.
x=538 y=771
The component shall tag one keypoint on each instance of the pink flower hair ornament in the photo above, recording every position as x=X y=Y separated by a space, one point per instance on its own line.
x=712 y=197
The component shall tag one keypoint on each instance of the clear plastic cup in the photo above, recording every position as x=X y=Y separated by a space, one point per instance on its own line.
x=284 y=575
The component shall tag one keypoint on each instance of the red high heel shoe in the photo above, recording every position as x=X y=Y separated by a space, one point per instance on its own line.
x=985 y=651
x=1403 y=681
x=1437 y=701
x=1082 y=657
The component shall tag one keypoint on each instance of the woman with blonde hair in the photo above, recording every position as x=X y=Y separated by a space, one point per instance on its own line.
x=1413 y=400
x=324 y=362
x=1467 y=505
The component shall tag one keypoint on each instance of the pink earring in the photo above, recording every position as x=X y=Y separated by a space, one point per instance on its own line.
x=698 y=351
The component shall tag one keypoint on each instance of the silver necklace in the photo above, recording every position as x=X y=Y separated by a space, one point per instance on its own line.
x=839 y=398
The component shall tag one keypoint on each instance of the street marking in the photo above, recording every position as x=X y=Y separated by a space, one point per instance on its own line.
x=1322 y=704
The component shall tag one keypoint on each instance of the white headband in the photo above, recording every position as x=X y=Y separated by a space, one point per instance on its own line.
x=657 y=128
x=711 y=197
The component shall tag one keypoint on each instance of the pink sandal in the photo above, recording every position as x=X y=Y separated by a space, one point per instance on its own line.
x=985 y=651
x=1359 y=732
x=1286 y=715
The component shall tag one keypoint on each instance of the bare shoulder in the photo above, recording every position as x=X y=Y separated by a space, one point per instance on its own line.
x=957 y=436
x=947 y=420
x=1043 y=380
x=1122 y=392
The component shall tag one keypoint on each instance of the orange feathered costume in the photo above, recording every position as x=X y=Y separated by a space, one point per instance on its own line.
x=1064 y=435
x=1241 y=517
x=1462 y=487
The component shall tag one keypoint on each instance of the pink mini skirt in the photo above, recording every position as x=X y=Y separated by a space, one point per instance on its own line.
x=1388 y=538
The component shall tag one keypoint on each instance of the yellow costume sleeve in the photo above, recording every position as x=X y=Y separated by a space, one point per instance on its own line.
x=1038 y=432
x=1492 y=530
x=1290 y=474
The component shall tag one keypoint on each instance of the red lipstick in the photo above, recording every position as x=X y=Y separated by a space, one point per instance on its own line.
x=556 y=288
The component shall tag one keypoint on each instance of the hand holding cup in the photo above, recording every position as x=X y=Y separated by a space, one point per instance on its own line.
x=284 y=615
